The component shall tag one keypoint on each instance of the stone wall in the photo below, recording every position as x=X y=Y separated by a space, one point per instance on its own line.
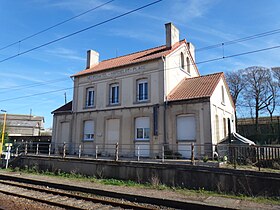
x=175 y=174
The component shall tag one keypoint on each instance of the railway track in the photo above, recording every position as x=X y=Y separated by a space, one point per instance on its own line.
x=75 y=197
x=62 y=199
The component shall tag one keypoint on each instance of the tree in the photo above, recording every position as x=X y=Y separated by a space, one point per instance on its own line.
x=257 y=94
x=236 y=84
x=276 y=74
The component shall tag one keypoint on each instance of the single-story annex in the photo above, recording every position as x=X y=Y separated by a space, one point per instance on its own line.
x=145 y=100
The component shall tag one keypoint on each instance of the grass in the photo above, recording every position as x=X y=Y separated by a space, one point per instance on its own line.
x=155 y=185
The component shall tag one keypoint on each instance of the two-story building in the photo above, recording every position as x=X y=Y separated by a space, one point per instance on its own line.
x=144 y=100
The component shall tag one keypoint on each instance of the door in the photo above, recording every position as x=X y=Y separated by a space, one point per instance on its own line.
x=112 y=135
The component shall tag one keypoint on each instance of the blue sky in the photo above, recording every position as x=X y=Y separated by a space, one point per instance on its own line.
x=48 y=69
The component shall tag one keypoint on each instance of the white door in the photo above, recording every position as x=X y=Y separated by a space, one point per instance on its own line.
x=112 y=135
x=65 y=131
x=186 y=134
x=142 y=136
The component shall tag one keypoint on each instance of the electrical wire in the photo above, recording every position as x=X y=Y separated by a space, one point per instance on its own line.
x=197 y=63
x=80 y=31
x=239 y=54
x=56 y=25
x=255 y=36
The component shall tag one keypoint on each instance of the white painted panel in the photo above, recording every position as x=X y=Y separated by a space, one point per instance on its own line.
x=185 y=150
x=144 y=149
x=65 y=131
x=186 y=129
x=112 y=134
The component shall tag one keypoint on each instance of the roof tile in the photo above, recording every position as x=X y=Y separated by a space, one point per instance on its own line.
x=196 y=87
x=133 y=58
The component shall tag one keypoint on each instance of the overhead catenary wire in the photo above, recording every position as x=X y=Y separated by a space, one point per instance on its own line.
x=54 y=26
x=197 y=63
x=80 y=31
x=234 y=41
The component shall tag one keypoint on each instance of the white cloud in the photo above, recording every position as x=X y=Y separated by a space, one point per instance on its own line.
x=185 y=11
x=65 y=53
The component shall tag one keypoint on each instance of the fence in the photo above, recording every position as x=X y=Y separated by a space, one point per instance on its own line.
x=260 y=156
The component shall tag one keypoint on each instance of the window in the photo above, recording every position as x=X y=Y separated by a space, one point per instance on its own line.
x=142 y=90
x=182 y=61
x=223 y=95
x=142 y=128
x=186 y=127
x=89 y=130
x=90 y=97
x=188 y=65
x=225 y=126
x=114 y=94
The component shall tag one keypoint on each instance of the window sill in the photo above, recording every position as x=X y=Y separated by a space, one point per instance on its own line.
x=112 y=105
x=88 y=140
x=141 y=140
x=186 y=140
x=142 y=102
x=89 y=107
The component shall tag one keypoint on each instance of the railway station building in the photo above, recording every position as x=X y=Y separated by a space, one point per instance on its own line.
x=145 y=100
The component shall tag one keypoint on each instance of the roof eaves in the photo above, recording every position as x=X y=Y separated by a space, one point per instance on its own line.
x=111 y=68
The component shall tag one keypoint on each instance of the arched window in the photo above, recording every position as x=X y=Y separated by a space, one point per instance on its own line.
x=223 y=95
x=188 y=65
x=182 y=61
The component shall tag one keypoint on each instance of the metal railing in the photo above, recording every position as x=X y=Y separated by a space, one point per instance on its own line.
x=260 y=156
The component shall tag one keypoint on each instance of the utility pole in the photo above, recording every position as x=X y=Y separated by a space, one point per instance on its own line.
x=65 y=98
x=3 y=130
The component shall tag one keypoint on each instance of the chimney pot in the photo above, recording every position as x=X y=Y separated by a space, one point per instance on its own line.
x=172 y=35
x=92 y=58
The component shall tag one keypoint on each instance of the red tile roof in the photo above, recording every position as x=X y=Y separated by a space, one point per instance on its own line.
x=195 y=88
x=149 y=54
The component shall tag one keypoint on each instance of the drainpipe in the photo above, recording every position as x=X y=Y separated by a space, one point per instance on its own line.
x=165 y=101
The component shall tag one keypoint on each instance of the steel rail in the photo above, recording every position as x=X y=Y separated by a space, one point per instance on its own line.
x=129 y=197
x=121 y=204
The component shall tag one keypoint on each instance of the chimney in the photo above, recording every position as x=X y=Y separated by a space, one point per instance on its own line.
x=172 y=35
x=92 y=58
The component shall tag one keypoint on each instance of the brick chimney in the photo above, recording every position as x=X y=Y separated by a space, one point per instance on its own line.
x=172 y=35
x=92 y=58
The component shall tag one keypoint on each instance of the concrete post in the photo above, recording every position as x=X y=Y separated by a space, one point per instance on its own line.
x=37 y=149
x=96 y=151
x=117 y=152
x=138 y=153
x=50 y=146
x=192 y=156
x=80 y=150
x=25 y=150
x=162 y=160
x=64 y=150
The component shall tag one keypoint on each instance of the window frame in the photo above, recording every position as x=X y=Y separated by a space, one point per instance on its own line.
x=188 y=65
x=193 y=116
x=140 y=97
x=87 y=97
x=116 y=100
x=91 y=134
x=223 y=95
x=143 y=131
x=182 y=61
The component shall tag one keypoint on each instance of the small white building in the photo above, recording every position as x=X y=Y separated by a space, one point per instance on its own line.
x=144 y=100
x=23 y=125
